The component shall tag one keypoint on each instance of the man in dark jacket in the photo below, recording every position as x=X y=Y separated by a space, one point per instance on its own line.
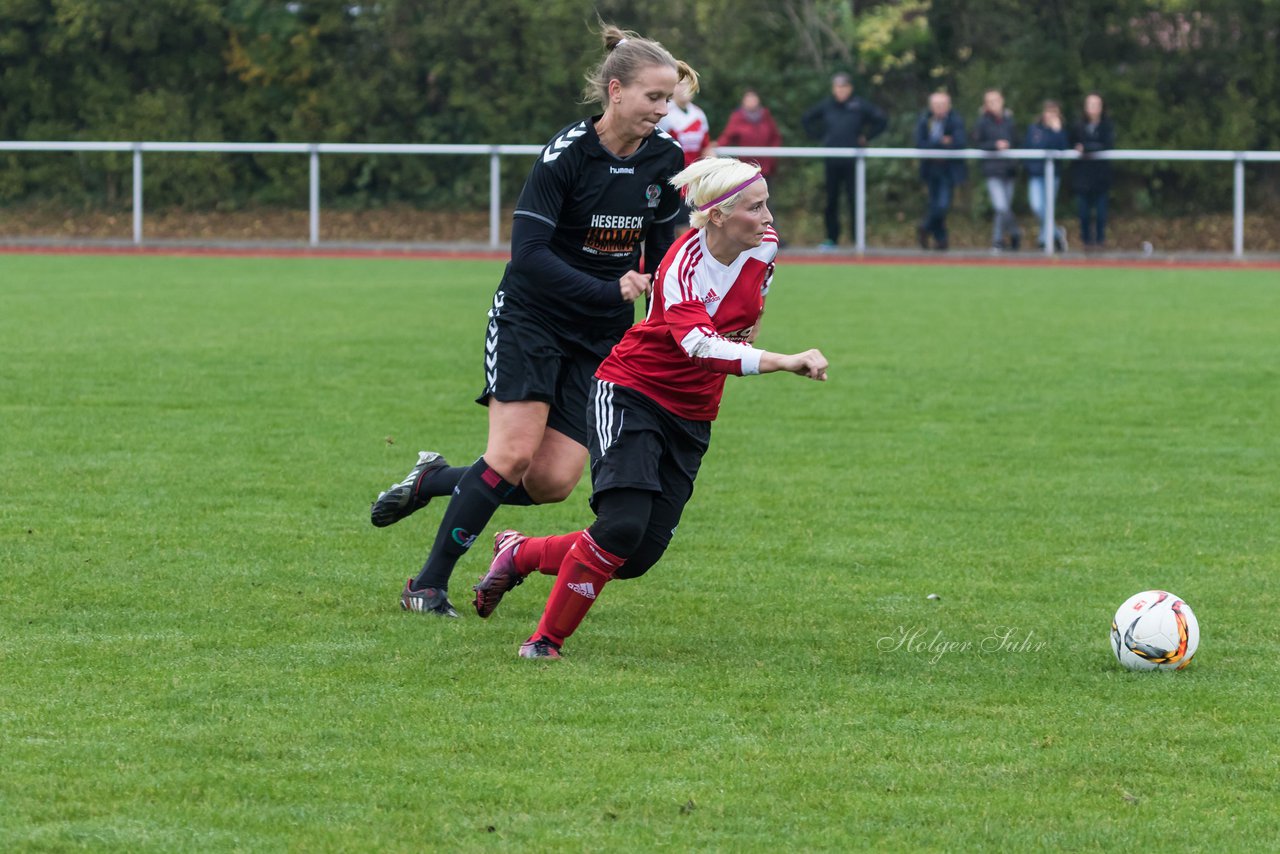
x=939 y=127
x=842 y=121
x=995 y=131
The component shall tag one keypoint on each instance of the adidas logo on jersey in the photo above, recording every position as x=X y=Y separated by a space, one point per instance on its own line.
x=583 y=589
x=711 y=298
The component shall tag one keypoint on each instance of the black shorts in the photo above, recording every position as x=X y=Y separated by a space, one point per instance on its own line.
x=526 y=358
x=636 y=443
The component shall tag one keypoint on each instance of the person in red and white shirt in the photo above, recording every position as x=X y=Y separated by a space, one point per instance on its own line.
x=687 y=124
x=654 y=399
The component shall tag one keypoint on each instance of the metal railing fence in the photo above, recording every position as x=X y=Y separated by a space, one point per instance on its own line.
x=313 y=150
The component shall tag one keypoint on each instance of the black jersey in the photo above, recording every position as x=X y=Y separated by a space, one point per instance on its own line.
x=600 y=207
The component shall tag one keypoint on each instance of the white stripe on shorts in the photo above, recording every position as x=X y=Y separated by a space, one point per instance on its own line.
x=606 y=434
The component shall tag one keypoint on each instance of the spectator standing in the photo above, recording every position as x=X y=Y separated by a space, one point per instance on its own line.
x=1091 y=179
x=1050 y=134
x=939 y=127
x=751 y=124
x=995 y=131
x=842 y=121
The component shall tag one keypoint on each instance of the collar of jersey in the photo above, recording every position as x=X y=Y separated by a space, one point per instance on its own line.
x=600 y=151
x=706 y=253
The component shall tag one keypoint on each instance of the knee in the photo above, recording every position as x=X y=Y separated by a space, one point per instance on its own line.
x=511 y=447
x=620 y=534
x=622 y=517
x=548 y=488
x=510 y=462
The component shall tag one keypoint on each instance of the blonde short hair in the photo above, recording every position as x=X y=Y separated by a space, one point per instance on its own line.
x=626 y=55
x=710 y=178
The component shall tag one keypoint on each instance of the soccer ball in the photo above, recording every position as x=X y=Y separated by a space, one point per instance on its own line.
x=1154 y=630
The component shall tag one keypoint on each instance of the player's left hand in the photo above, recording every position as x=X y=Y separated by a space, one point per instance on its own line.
x=634 y=285
x=810 y=363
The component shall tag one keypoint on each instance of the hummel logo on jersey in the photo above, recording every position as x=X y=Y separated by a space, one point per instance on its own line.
x=622 y=170
x=583 y=589
x=711 y=298
x=560 y=143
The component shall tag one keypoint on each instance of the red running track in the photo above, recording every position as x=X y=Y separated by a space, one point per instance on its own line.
x=807 y=257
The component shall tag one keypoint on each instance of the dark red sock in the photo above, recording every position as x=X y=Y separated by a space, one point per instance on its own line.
x=583 y=574
x=544 y=554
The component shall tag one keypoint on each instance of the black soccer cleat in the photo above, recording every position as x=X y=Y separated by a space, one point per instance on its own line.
x=402 y=499
x=539 y=647
x=428 y=600
x=502 y=575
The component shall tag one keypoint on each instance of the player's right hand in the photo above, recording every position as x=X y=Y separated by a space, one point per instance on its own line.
x=634 y=285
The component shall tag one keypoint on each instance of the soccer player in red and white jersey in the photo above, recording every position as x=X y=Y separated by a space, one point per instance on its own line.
x=688 y=124
x=654 y=399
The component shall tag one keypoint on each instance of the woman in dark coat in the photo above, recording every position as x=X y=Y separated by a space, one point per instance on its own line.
x=1091 y=178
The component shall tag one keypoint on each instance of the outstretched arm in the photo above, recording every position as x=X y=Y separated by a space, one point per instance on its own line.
x=810 y=363
x=696 y=335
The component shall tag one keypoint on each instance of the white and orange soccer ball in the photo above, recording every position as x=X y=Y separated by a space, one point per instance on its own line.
x=1154 y=630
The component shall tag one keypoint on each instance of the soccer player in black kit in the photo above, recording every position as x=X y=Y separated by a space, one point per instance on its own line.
x=598 y=193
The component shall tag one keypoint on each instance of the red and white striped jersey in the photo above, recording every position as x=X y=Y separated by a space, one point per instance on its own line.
x=700 y=315
x=690 y=128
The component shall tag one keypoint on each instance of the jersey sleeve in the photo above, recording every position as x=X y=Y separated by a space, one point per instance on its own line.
x=544 y=191
x=531 y=255
x=656 y=243
x=669 y=203
x=695 y=334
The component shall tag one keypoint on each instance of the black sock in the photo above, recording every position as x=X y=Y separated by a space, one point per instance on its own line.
x=479 y=493
x=441 y=481
x=517 y=497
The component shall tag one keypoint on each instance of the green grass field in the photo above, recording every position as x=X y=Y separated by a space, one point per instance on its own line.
x=201 y=646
